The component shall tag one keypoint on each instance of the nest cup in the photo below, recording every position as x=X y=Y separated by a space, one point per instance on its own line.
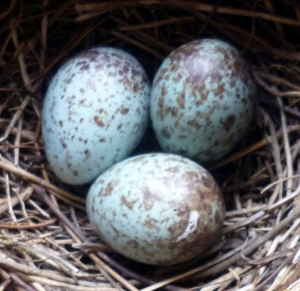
x=46 y=241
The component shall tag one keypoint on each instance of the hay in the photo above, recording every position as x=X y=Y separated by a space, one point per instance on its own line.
x=46 y=242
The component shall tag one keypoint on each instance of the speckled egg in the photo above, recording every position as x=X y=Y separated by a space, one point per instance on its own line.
x=156 y=208
x=95 y=113
x=202 y=100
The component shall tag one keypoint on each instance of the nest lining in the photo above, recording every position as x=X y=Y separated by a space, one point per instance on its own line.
x=46 y=240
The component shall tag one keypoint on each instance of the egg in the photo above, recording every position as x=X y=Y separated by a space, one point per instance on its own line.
x=202 y=100
x=157 y=208
x=95 y=113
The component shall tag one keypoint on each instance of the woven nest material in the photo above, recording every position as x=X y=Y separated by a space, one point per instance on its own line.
x=46 y=241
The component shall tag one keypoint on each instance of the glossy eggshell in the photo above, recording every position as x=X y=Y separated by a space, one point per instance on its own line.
x=95 y=113
x=156 y=208
x=202 y=100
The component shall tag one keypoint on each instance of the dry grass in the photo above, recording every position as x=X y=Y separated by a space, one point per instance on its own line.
x=46 y=242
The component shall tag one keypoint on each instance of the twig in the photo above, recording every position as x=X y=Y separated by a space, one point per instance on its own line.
x=250 y=149
x=20 y=282
x=61 y=194
x=65 y=220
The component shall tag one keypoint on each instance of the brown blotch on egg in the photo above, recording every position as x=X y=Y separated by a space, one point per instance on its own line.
x=109 y=188
x=194 y=123
x=166 y=133
x=124 y=111
x=126 y=202
x=63 y=143
x=98 y=121
x=181 y=100
x=229 y=121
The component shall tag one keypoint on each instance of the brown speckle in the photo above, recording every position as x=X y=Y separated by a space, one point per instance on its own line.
x=125 y=69
x=164 y=90
x=149 y=223
x=245 y=101
x=181 y=100
x=137 y=159
x=200 y=89
x=172 y=169
x=194 y=123
x=127 y=203
x=109 y=188
x=149 y=198
x=102 y=139
x=118 y=233
x=161 y=105
x=227 y=124
x=63 y=144
x=124 y=111
x=136 y=73
x=136 y=87
x=98 y=121
x=220 y=90
x=172 y=110
x=232 y=82
x=133 y=244
x=75 y=173
x=61 y=123
x=166 y=133
x=87 y=154
x=190 y=176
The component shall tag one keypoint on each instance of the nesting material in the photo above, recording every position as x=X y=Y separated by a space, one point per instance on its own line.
x=46 y=241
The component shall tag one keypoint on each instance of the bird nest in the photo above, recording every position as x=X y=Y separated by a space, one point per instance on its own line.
x=46 y=241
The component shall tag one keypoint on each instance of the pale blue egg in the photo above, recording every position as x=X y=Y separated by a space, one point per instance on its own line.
x=95 y=113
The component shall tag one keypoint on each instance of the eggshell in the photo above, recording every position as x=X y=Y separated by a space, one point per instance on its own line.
x=202 y=100
x=157 y=208
x=95 y=113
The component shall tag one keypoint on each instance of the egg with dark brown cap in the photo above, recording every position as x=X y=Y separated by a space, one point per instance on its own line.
x=157 y=208
x=202 y=100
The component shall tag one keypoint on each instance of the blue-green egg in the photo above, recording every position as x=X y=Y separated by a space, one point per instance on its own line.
x=157 y=208
x=95 y=113
x=202 y=100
